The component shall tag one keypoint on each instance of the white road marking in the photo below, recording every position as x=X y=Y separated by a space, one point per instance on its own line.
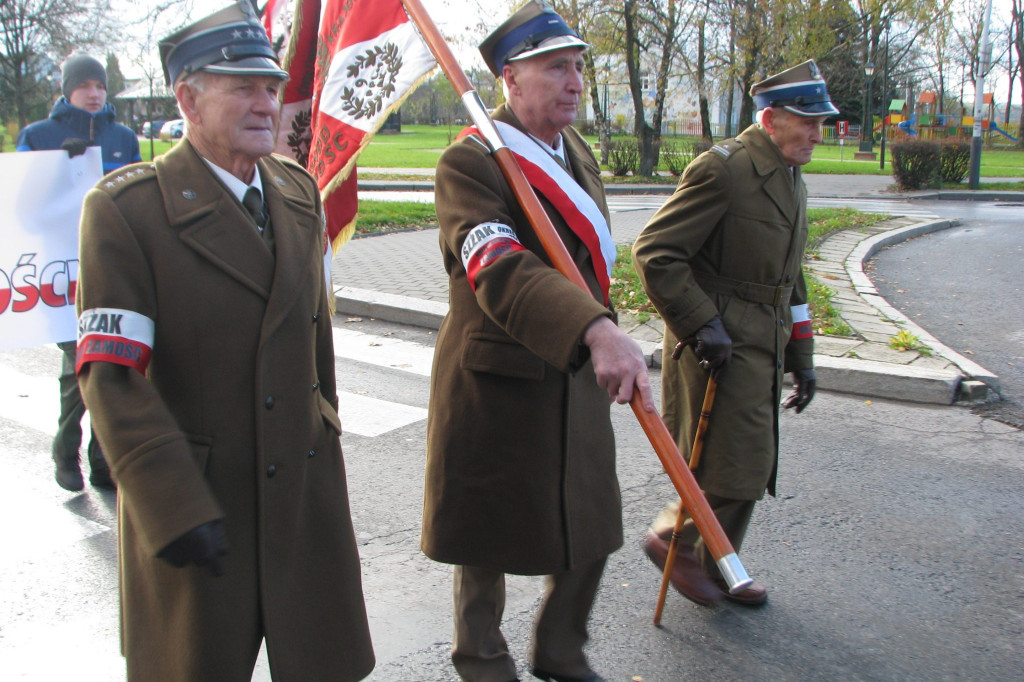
x=34 y=401
x=383 y=351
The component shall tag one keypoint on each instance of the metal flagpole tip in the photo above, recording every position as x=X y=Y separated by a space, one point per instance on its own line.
x=735 y=575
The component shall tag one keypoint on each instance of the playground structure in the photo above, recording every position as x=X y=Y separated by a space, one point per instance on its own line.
x=925 y=123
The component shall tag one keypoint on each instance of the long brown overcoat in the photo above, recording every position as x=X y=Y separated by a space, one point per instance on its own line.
x=236 y=419
x=730 y=242
x=520 y=472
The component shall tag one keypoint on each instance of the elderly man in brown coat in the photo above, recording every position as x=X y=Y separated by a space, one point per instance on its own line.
x=206 y=360
x=520 y=471
x=721 y=260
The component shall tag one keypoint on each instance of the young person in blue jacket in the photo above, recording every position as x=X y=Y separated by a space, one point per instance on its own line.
x=81 y=118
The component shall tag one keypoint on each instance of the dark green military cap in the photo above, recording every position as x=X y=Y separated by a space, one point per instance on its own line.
x=231 y=41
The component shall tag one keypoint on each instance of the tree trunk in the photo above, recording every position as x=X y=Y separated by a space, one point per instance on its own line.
x=702 y=88
x=644 y=133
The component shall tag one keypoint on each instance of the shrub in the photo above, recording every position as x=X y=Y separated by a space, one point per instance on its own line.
x=954 y=161
x=678 y=155
x=623 y=158
x=915 y=163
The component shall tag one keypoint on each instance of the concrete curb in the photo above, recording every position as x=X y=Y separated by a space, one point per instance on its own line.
x=868 y=378
x=390 y=307
x=865 y=288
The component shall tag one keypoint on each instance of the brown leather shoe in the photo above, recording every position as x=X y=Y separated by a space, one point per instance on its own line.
x=753 y=594
x=688 y=577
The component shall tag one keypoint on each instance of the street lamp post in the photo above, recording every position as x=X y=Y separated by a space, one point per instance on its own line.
x=867 y=126
x=885 y=98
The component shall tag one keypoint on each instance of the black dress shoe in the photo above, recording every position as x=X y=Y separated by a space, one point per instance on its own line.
x=69 y=476
x=551 y=677
x=100 y=478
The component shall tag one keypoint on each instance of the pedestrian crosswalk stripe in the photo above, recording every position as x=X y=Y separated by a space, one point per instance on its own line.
x=365 y=416
x=33 y=401
x=28 y=400
x=383 y=351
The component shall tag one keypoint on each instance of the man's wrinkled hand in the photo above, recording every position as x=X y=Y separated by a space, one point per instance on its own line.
x=804 y=382
x=619 y=364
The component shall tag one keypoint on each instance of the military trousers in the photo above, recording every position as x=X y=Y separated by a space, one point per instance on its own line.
x=480 y=652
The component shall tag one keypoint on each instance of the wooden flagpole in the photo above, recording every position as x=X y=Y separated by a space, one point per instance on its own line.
x=671 y=459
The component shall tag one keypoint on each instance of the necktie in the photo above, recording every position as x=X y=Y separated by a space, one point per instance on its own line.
x=253 y=202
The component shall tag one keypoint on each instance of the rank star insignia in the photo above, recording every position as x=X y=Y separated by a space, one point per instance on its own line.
x=236 y=34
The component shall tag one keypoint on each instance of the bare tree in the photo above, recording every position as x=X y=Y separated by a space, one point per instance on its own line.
x=36 y=36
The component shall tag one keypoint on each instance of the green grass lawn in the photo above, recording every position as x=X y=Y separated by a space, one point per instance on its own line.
x=419 y=146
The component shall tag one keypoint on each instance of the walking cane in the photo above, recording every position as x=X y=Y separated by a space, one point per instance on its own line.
x=677 y=530
x=714 y=537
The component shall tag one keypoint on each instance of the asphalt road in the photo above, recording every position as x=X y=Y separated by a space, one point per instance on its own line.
x=894 y=551
x=965 y=285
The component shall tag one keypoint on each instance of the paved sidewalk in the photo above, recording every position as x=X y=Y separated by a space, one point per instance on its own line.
x=399 y=277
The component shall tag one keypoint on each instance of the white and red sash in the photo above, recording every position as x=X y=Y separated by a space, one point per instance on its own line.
x=577 y=208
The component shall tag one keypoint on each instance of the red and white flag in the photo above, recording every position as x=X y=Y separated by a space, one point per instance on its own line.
x=352 y=63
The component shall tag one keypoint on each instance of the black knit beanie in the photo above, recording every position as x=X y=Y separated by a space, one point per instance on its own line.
x=78 y=69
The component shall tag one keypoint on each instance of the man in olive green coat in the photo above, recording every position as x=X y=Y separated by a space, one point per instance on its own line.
x=520 y=474
x=206 y=360
x=721 y=261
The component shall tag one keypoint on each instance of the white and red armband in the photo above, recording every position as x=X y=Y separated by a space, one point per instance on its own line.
x=802 y=328
x=486 y=243
x=122 y=337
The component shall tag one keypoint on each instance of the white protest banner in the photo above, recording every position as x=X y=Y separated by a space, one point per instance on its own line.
x=42 y=195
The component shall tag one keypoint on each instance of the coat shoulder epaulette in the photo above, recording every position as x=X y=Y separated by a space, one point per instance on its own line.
x=128 y=176
x=288 y=162
x=726 y=148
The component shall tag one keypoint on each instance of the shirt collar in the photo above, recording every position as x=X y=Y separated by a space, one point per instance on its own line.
x=236 y=186
x=557 y=151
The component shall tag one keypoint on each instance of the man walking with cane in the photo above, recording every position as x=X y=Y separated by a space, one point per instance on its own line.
x=721 y=261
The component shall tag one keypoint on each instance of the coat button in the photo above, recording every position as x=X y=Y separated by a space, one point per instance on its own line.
x=312 y=453
x=789 y=278
x=271 y=470
x=316 y=385
x=778 y=363
x=316 y=317
x=782 y=322
x=269 y=402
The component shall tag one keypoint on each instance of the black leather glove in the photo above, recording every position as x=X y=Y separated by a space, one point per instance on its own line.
x=713 y=348
x=74 y=146
x=804 y=383
x=203 y=546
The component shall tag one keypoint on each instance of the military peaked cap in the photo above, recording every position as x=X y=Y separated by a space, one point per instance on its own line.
x=800 y=89
x=532 y=30
x=231 y=41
